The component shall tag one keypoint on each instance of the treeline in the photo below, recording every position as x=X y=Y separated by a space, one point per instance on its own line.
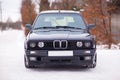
x=10 y=25
x=94 y=11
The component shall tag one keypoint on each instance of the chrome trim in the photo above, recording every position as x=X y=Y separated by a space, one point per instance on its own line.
x=60 y=44
x=54 y=42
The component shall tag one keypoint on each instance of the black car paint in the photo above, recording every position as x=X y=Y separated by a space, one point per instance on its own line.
x=70 y=35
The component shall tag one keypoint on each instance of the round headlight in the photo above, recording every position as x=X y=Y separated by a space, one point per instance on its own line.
x=79 y=44
x=41 y=44
x=87 y=44
x=32 y=44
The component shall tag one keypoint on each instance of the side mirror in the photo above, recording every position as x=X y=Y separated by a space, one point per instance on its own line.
x=90 y=26
x=28 y=26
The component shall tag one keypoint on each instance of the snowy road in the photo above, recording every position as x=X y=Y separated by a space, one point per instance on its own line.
x=12 y=66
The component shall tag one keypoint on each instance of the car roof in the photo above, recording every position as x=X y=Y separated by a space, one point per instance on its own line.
x=59 y=11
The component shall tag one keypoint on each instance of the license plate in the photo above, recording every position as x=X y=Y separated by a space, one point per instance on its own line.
x=60 y=53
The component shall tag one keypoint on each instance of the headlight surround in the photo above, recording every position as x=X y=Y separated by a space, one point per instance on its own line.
x=41 y=44
x=79 y=44
x=87 y=44
x=32 y=44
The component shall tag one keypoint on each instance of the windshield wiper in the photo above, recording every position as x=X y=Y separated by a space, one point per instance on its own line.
x=44 y=28
x=68 y=27
x=56 y=27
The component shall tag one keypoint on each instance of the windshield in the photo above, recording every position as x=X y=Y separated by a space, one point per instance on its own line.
x=59 y=20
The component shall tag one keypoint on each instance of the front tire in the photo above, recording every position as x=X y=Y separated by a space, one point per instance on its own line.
x=93 y=65
x=27 y=63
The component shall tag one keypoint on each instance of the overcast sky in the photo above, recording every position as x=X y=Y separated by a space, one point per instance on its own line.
x=11 y=9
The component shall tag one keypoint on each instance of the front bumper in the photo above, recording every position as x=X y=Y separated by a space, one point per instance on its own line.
x=80 y=57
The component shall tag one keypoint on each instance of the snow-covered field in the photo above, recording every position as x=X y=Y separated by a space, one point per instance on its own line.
x=12 y=65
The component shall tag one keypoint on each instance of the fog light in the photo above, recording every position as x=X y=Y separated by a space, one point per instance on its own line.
x=88 y=58
x=32 y=59
x=32 y=52
x=87 y=52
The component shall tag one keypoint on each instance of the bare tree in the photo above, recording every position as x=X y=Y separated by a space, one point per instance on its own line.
x=97 y=12
x=43 y=5
x=28 y=13
x=64 y=4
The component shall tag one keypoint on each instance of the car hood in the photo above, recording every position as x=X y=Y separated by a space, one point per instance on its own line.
x=59 y=35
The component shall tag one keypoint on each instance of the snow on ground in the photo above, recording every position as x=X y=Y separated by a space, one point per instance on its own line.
x=12 y=65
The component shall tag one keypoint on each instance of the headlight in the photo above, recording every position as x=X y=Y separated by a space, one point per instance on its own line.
x=79 y=44
x=32 y=44
x=41 y=44
x=87 y=44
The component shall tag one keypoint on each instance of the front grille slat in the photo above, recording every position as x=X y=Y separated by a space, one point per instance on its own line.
x=56 y=44
x=60 y=44
x=64 y=44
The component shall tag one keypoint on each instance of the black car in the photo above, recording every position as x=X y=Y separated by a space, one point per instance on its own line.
x=59 y=38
